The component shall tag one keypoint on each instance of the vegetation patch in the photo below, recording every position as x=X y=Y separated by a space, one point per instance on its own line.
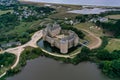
x=21 y=23
x=4 y=12
x=6 y=61
x=110 y=63
x=111 y=26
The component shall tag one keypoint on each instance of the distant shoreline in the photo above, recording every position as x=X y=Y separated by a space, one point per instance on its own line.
x=34 y=2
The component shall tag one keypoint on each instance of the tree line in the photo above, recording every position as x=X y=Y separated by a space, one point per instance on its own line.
x=113 y=27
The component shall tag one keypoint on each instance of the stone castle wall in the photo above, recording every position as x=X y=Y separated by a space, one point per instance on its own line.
x=50 y=33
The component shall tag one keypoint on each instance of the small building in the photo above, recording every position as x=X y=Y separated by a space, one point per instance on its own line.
x=10 y=44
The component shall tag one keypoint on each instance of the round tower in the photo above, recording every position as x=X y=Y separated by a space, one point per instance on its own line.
x=44 y=33
x=76 y=40
x=64 y=46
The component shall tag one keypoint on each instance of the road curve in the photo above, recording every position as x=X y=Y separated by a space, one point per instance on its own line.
x=96 y=41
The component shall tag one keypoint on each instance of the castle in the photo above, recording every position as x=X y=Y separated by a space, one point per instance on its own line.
x=62 y=39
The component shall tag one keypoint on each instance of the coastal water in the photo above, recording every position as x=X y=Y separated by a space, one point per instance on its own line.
x=115 y=3
x=92 y=11
x=48 y=69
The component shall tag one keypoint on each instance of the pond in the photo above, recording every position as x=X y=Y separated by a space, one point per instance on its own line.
x=43 y=68
x=48 y=69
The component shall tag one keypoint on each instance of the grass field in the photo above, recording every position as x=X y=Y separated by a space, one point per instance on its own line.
x=24 y=26
x=114 y=16
x=62 y=11
x=6 y=11
x=63 y=15
x=97 y=31
x=114 y=44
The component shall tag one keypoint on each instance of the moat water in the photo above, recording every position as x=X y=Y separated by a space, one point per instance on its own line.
x=44 y=68
x=47 y=47
x=115 y=3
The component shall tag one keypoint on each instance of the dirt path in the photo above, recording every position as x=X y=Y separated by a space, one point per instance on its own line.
x=18 y=50
x=96 y=41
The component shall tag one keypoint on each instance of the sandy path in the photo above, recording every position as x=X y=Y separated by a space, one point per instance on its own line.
x=18 y=50
x=96 y=41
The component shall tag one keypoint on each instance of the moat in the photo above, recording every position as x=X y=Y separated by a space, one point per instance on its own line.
x=46 y=46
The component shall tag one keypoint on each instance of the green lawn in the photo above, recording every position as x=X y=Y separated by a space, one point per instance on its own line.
x=97 y=31
x=24 y=26
x=6 y=11
x=114 y=44
x=63 y=15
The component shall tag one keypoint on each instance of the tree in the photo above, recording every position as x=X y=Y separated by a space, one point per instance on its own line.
x=82 y=56
x=7 y=59
x=103 y=55
x=113 y=27
x=115 y=67
x=111 y=68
